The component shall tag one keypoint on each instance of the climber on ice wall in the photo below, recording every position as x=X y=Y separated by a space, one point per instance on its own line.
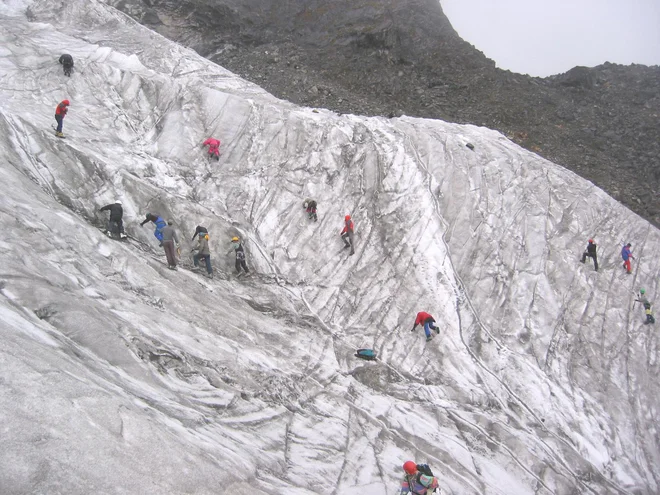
x=115 y=224
x=627 y=256
x=590 y=252
x=428 y=322
x=418 y=479
x=159 y=223
x=347 y=234
x=214 y=148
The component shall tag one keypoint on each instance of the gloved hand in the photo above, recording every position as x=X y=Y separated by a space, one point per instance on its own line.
x=413 y=329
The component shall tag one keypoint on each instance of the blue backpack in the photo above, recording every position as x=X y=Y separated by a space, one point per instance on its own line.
x=366 y=354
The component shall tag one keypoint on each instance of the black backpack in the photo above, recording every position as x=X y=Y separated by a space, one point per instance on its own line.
x=425 y=469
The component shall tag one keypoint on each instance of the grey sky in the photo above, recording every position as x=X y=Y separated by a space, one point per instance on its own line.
x=543 y=37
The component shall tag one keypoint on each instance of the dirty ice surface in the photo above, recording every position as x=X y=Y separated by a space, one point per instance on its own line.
x=121 y=376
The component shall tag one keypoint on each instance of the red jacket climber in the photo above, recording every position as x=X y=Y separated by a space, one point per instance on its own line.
x=60 y=112
x=428 y=322
x=347 y=234
x=62 y=108
x=422 y=317
x=214 y=147
x=348 y=225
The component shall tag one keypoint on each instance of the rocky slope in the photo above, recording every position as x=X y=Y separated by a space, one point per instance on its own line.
x=382 y=57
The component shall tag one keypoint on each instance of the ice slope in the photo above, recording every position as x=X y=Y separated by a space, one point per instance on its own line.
x=120 y=376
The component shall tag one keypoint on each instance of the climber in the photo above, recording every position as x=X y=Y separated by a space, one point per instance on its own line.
x=237 y=246
x=647 y=306
x=627 y=256
x=347 y=234
x=67 y=63
x=591 y=253
x=159 y=222
x=60 y=113
x=310 y=208
x=203 y=252
x=170 y=244
x=199 y=229
x=428 y=322
x=115 y=224
x=418 y=479
x=214 y=148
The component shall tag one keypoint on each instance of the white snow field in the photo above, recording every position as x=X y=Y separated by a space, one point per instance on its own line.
x=121 y=376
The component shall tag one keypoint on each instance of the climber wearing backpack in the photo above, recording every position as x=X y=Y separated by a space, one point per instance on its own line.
x=203 y=252
x=428 y=322
x=67 y=63
x=418 y=479
x=627 y=256
x=214 y=148
x=590 y=252
x=347 y=234
x=115 y=224
x=647 y=306
x=159 y=223
x=237 y=247
x=199 y=229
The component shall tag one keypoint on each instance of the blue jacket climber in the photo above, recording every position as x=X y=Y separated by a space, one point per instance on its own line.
x=160 y=224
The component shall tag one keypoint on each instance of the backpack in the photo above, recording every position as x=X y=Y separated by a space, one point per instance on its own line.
x=425 y=470
x=366 y=354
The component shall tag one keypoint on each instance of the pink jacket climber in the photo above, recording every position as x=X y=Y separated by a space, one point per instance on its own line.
x=214 y=147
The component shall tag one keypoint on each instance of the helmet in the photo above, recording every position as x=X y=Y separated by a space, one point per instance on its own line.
x=591 y=241
x=628 y=245
x=347 y=218
x=410 y=467
x=235 y=239
x=66 y=102
x=642 y=291
x=117 y=202
x=148 y=216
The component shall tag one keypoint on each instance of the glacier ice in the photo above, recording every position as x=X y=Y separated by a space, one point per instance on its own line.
x=122 y=376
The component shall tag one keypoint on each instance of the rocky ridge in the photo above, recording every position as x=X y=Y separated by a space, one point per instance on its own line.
x=383 y=57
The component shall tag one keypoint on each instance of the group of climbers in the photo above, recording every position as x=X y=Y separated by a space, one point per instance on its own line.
x=417 y=478
x=626 y=255
x=63 y=107
x=169 y=240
